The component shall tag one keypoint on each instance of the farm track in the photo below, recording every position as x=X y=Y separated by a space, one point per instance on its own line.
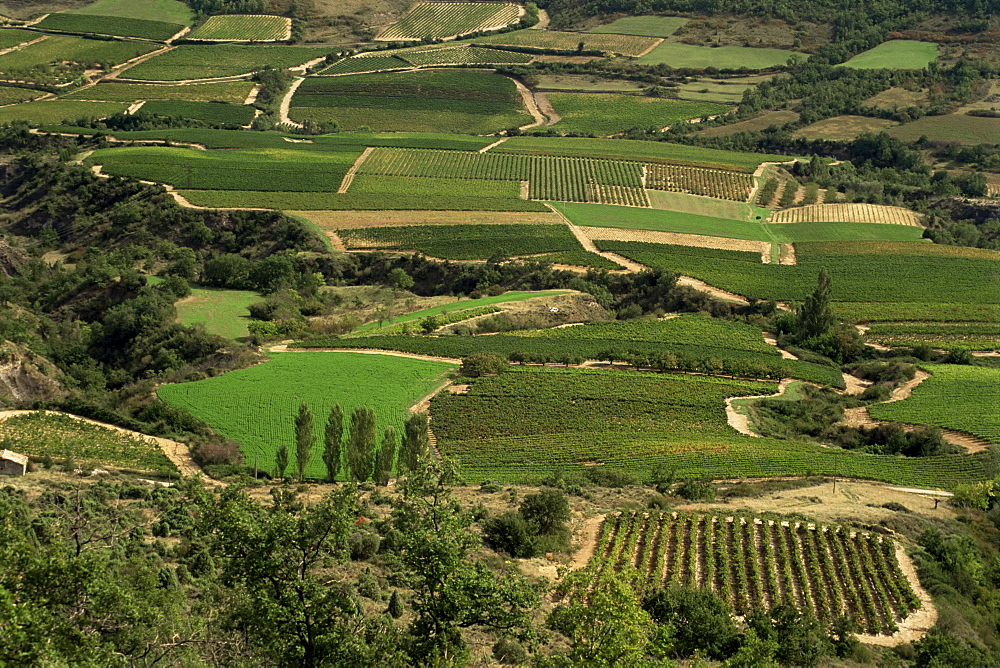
x=529 y=102
x=349 y=176
x=178 y=453
x=740 y=422
x=545 y=106
x=286 y=103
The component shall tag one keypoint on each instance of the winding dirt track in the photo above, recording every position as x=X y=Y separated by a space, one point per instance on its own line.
x=741 y=422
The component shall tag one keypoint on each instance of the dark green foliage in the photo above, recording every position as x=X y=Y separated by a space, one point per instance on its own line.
x=815 y=316
x=483 y=364
x=696 y=621
x=546 y=512
x=361 y=444
x=511 y=533
x=304 y=439
x=801 y=639
x=281 y=460
x=415 y=442
x=395 y=609
x=386 y=457
x=333 y=438
x=109 y=25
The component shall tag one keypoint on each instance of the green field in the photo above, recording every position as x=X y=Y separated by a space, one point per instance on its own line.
x=589 y=83
x=461 y=305
x=713 y=90
x=62 y=58
x=431 y=187
x=14 y=36
x=678 y=55
x=222 y=312
x=971 y=335
x=527 y=423
x=796 y=232
x=645 y=26
x=861 y=271
x=627 y=45
x=228 y=91
x=868 y=312
x=213 y=112
x=648 y=151
x=463 y=55
x=597 y=215
x=704 y=206
x=118 y=26
x=89 y=445
x=464 y=242
x=444 y=19
x=169 y=11
x=965 y=398
x=457 y=100
x=202 y=61
x=970 y=130
x=897 y=54
x=234 y=27
x=323 y=201
x=256 y=407
x=13 y=94
x=606 y=114
x=56 y=111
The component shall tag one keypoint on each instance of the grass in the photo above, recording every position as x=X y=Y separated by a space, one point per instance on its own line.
x=645 y=26
x=14 y=95
x=897 y=54
x=625 y=149
x=606 y=114
x=796 y=232
x=465 y=242
x=597 y=215
x=678 y=55
x=954 y=397
x=461 y=305
x=15 y=36
x=229 y=91
x=169 y=11
x=256 y=407
x=57 y=436
x=531 y=422
x=213 y=112
x=969 y=130
x=118 y=26
x=757 y=124
x=702 y=206
x=326 y=201
x=457 y=100
x=222 y=312
x=626 y=45
x=198 y=61
x=843 y=128
x=588 y=83
x=242 y=28
x=417 y=185
x=57 y=111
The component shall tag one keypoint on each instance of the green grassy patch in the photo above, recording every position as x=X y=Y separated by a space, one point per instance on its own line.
x=198 y=61
x=627 y=45
x=969 y=130
x=703 y=206
x=678 y=55
x=169 y=11
x=222 y=312
x=118 y=26
x=14 y=95
x=228 y=91
x=896 y=54
x=795 y=232
x=606 y=114
x=458 y=306
x=646 y=26
x=320 y=201
x=57 y=111
x=964 y=398
x=465 y=242
x=213 y=112
x=256 y=407
x=14 y=36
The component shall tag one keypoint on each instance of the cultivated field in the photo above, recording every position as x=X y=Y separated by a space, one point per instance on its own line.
x=222 y=312
x=445 y=19
x=644 y=26
x=228 y=91
x=959 y=128
x=14 y=95
x=57 y=111
x=684 y=222
x=118 y=26
x=61 y=58
x=591 y=84
x=457 y=307
x=626 y=45
x=331 y=201
x=358 y=64
x=971 y=335
x=847 y=213
x=60 y=437
x=757 y=563
x=898 y=54
x=606 y=114
x=213 y=112
x=752 y=125
x=256 y=407
x=14 y=36
x=678 y=55
x=963 y=398
x=843 y=128
x=464 y=55
x=241 y=28
x=168 y=11
x=465 y=242
x=202 y=61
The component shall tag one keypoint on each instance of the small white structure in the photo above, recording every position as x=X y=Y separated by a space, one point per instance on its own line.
x=12 y=463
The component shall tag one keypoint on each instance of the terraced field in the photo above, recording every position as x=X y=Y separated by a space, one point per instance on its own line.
x=445 y=19
x=626 y=45
x=201 y=61
x=61 y=58
x=243 y=28
x=234 y=92
x=118 y=26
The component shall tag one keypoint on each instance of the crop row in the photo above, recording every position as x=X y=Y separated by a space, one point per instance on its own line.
x=718 y=183
x=62 y=58
x=444 y=19
x=109 y=25
x=213 y=112
x=321 y=201
x=451 y=85
x=243 y=28
x=755 y=564
x=465 y=55
x=465 y=242
x=972 y=335
x=366 y=64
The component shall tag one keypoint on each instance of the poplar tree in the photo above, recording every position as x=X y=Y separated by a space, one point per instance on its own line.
x=361 y=441
x=416 y=441
x=333 y=438
x=386 y=456
x=304 y=439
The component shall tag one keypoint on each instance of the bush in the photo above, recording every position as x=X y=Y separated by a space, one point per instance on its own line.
x=509 y=652
x=512 y=534
x=696 y=490
x=363 y=545
x=483 y=364
x=605 y=477
x=546 y=512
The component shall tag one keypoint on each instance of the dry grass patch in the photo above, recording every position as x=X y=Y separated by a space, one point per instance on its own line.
x=348 y=220
x=897 y=97
x=679 y=239
x=843 y=128
x=752 y=125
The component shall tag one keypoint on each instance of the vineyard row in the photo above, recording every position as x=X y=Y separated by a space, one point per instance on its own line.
x=755 y=564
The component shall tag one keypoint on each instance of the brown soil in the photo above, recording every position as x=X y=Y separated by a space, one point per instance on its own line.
x=741 y=422
x=677 y=239
x=546 y=108
x=530 y=105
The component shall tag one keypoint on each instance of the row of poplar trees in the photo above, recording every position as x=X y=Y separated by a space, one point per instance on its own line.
x=357 y=454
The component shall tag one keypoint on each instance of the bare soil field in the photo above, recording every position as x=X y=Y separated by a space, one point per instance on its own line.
x=847 y=213
x=356 y=220
x=678 y=239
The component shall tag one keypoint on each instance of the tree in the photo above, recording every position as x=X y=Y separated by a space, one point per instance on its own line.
x=699 y=622
x=361 y=443
x=333 y=437
x=510 y=533
x=395 y=609
x=416 y=441
x=398 y=279
x=815 y=316
x=304 y=439
x=281 y=460
x=546 y=512
x=483 y=364
x=386 y=457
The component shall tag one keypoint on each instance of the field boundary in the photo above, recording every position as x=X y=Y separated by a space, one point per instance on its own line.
x=349 y=176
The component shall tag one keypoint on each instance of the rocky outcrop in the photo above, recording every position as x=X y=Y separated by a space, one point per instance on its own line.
x=26 y=377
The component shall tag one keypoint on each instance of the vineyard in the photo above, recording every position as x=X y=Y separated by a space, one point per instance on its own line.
x=256 y=407
x=444 y=19
x=58 y=111
x=971 y=335
x=59 y=436
x=234 y=92
x=109 y=25
x=240 y=28
x=213 y=112
x=847 y=213
x=62 y=58
x=755 y=564
x=607 y=114
x=464 y=55
x=464 y=242
x=331 y=201
x=358 y=64
x=204 y=61
x=964 y=398
x=718 y=183
x=451 y=85
x=626 y=45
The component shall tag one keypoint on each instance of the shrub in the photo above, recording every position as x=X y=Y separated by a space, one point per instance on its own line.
x=696 y=490
x=363 y=545
x=509 y=652
x=605 y=477
x=483 y=364
x=510 y=533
